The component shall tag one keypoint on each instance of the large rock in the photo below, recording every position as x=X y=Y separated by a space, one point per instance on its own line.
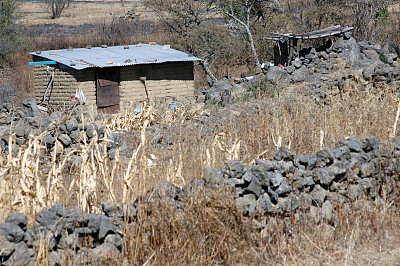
x=12 y=232
x=112 y=209
x=30 y=108
x=350 y=48
x=65 y=140
x=276 y=74
x=46 y=218
x=369 y=72
x=116 y=240
x=234 y=169
x=264 y=204
x=300 y=74
x=391 y=47
x=213 y=177
x=383 y=70
x=247 y=204
x=371 y=54
x=21 y=256
x=284 y=154
x=18 y=219
x=297 y=63
x=106 y=227
x=165 y=188
x=72 y=124
x=6 y=247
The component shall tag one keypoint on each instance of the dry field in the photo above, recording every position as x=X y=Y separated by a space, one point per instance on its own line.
x=81 y=12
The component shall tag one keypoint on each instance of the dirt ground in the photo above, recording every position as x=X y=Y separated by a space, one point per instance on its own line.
x=81 y=12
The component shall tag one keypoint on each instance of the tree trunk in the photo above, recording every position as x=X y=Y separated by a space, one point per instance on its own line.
x=210 y=77
x=253 y=48
x=249 y=35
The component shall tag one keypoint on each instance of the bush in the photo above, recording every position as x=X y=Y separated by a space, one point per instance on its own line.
x=10 y=34
x=56 y=7
x=383 y=58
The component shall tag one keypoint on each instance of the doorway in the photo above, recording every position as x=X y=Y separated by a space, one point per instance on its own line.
x=107 y=86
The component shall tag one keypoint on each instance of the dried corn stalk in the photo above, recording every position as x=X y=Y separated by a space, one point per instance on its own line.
x=225 y=143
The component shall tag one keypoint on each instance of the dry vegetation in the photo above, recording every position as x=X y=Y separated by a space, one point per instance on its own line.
x=211 y=230
x=79 y=12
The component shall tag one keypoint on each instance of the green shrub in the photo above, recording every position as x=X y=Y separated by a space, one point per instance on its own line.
x=383 y=58
x=10 y=34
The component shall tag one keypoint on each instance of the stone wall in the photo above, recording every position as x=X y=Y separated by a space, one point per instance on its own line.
x=354 y=170
x=30 y=120
x=322 y=74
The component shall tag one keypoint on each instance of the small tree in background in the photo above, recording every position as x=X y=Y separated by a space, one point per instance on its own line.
x=240 y=12
x=200 y=27
x=185 y=20
x=10 y=34
x=56 y=7
x=370 y=18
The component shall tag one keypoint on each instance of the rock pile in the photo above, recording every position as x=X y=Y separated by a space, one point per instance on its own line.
x=55 y=126
x=354 y=169
x=65 y=232
x=78 y=237
x=323 y=72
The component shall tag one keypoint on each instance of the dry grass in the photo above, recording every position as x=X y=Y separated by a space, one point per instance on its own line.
x=80 y=13
x=211 y=231
x=245 y=132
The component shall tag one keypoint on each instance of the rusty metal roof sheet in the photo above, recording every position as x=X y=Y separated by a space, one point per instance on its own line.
x=81 y=58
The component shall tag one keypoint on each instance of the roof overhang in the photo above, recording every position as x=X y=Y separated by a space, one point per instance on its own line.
x=113 y=56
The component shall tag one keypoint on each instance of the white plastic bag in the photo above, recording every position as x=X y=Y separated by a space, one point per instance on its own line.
x=79 y=96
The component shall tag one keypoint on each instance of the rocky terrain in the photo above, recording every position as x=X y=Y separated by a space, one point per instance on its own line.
x=318 y=74
x=29 y=120
x=322 y=73
x=354 y=170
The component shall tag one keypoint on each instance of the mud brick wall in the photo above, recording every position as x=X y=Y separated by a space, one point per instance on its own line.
x=162 y=80
x=65 y=83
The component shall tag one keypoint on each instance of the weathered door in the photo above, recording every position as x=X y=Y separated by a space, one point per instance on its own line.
x=107 y=90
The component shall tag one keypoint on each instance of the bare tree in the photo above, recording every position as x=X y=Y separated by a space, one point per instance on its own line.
x=56 y=7
x=240 y=12
x=186 y=19
x=370 y=17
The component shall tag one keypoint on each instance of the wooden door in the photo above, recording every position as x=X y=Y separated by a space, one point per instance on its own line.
x=107 y=84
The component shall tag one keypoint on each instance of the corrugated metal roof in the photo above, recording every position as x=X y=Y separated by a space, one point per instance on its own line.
x=81 y=58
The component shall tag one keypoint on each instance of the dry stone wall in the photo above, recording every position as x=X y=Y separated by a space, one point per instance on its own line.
x=355 y=169
x=22 y=123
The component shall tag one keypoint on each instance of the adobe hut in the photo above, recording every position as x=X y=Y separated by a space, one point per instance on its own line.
x=108 y=76
x=283 y=43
